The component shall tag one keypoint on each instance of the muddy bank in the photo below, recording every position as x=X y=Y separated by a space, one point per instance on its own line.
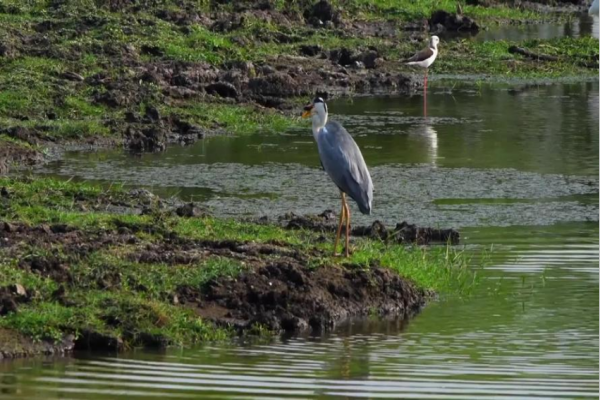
x=116 y=269
x=15 y=345
x=287 y=296
x=176 y=72
x=402 y=233
x=279 y=289
x=17 y=154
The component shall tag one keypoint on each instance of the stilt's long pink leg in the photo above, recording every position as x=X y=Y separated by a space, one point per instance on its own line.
x=425 y=94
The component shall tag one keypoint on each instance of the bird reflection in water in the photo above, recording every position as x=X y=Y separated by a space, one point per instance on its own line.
x=427 y=137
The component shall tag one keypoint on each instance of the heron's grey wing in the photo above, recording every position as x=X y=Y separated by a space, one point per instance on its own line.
x=342 y=160
x=421 y=55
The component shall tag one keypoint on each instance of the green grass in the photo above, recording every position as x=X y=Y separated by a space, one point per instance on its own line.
x=407 y=10
x=492 y=58
x=34 y=94
x=112 y=291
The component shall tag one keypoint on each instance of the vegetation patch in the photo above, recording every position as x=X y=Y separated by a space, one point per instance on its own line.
x=145 y=74
x=150 y=277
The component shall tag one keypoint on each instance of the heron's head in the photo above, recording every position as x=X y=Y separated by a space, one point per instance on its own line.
x=316 y=107
x=433 y=42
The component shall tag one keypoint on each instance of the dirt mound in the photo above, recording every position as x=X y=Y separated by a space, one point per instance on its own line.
x=11 y=296
x=441 y=21
x=15 y=345
x=321 y=13
x=403 y=232
x=13 y=154
x=286 y=296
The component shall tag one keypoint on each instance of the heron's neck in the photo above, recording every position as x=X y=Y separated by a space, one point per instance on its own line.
x=318 y=122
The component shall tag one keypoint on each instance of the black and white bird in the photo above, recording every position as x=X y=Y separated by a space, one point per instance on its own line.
x=424 y=59
x=344 y=163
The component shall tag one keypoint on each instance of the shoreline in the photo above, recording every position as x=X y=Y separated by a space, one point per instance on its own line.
x=227 y=70
x=89 y=268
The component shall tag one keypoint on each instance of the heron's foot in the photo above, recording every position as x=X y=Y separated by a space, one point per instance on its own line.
x=348 y=251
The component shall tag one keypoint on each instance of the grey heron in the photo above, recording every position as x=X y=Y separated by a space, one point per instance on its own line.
x=424 y=59
x=342 y=160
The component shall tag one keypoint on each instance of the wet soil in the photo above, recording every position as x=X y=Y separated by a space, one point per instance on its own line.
x=284 y=295
x=14 y=154
x=280 y=289
x=144 y=75
x=14 y=345
x=133 y=74
x=403 y=232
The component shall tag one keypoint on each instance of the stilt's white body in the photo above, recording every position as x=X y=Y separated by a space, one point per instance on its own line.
x=594 y=8
x=424 y=59
x=426 y=63
x=427 y=56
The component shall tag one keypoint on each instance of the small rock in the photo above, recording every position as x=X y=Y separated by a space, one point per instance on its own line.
x=322 y=11
x=358 y=65
x=310 y=50
x=369 y=58
x=223 y=89
x=266 y=70
x=72 y=76
x=152 y=114
x=19 y=290
x=7 y=227
x=152 y=50
x=452 y=22
x=342 y=56
x=278 y=84
x=190 y=210
x=7 y=51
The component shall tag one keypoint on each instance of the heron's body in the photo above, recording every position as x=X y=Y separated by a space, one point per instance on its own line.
x=342 y=160
x=345 y=165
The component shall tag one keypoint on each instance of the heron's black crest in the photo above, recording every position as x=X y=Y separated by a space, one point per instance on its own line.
x=320 y=100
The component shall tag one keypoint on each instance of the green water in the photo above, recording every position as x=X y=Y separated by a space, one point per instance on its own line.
x=515 y=167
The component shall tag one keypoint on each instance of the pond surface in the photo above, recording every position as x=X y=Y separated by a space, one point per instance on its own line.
x=584 y=25
x=515 y=167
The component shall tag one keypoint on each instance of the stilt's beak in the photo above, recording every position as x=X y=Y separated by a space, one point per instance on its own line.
x=307 y=111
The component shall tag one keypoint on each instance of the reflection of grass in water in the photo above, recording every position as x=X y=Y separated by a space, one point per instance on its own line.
x=110 y=292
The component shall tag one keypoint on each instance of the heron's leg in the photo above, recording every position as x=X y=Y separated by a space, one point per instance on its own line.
x=339 y=230
x=347 y=228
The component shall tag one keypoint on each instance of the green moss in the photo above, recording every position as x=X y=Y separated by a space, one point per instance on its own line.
x=235 y=119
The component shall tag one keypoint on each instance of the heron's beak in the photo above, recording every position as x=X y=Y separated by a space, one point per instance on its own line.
x=307 y=111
